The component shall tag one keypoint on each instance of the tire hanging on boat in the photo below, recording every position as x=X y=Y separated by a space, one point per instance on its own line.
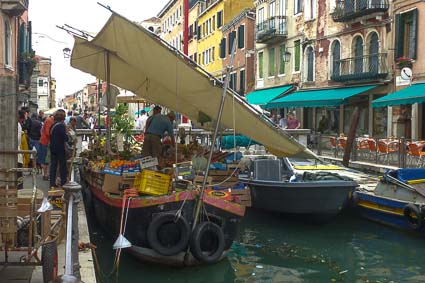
x=168 y=234
x=413 y=216
x=207 y=242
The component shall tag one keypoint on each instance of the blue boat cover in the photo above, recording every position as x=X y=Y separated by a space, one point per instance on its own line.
x=227 y=142
x=405 y=175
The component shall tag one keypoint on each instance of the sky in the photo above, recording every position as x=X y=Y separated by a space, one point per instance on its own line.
x=49 y=41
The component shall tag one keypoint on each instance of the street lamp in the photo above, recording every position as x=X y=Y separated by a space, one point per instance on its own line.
x=287 y=55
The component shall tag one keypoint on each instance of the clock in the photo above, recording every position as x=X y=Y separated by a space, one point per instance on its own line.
x=406 y=73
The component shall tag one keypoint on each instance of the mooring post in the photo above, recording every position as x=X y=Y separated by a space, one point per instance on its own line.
x=72 y=265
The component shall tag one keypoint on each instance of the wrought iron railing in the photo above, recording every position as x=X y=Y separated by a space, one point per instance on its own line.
x=374 y=66
x=271 y=28
x=349 y=9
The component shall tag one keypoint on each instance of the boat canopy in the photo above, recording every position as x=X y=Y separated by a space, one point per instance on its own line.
x=139 y=61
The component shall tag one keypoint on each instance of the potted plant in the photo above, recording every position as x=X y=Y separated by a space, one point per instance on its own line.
x=403 y=62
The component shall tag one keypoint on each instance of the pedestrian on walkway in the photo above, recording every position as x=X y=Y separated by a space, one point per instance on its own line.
x=58 y=138
x=44 y=146
x=292 y=122
x=34 y=134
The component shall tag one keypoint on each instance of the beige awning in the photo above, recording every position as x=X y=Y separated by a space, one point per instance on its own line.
x=141 y=63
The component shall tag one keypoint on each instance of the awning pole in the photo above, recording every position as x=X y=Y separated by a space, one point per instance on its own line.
x=220 y=113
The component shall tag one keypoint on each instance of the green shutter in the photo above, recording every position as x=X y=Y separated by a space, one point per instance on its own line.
x=260 y=65
x=414 y=33
x=399 y=36
x=271 y=62
x=282 y=59
x=297 y=56
x=241 y=36
x=223 y=48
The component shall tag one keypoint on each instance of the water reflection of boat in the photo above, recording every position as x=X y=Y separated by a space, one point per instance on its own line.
x=397 y=200
x=300 y=187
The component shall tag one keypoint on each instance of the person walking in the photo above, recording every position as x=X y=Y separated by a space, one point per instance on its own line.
x=34 y=134
x=58 y=138
x=141 y=121
x=156 y=127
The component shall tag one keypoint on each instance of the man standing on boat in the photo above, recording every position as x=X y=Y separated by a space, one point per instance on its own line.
x=156 y=126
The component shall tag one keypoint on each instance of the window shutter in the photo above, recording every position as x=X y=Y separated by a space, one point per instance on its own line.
x=199 y=32
x=297 y=56
x=223 y=48
x=232 y=37
x=219 y=19
x=241 y=36
x=414 y=35
x=242 y=82
x=399 y=36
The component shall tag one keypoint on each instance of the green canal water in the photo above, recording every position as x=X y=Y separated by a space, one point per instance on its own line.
x=272 y=248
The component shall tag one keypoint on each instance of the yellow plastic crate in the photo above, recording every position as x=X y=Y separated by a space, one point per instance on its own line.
x=152 y=183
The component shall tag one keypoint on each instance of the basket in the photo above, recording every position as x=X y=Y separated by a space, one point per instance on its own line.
x=152 y=183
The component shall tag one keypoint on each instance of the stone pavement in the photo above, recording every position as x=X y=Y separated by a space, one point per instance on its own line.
x=18 y=274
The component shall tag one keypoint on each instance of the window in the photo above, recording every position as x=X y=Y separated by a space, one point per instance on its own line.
x=358 y=55
x=310 y=10
x=282 y=8
x=242 y=82
x=271 y=62
x=406 y=37
x=298 y=6
x=310 y=64
x=297 y=61
x=282 y=62
x=373 y=53
x=336 y=58
x=200 y=58
x=232 y=38
x=241 y=36
x=213 y=53
x=195 y=57
x=219 y=19
x=223 y=48
x=7 y=44
x=260 y=65
x=260 y=19
x=232 y=82
x=213 y=23
x=40 y=83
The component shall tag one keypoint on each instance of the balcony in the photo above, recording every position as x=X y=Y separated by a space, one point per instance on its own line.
x=25 y=72
x=350 y=9
x=272 y=30
x=370 y=67
x=14 y=7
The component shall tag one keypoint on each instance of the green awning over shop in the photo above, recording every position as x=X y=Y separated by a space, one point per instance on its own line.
x=318 y=97
x=409 y=95
x=263 y=96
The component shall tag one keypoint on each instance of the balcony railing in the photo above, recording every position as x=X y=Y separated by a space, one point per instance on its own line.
x=367 y=67
x=14 y=7
x=350 y=9
x=271 y=30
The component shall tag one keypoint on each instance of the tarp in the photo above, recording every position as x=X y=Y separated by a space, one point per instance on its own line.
x=409 y=95
x=318 y=97
x=140 y=62
x=264 y=96
x=228 y=142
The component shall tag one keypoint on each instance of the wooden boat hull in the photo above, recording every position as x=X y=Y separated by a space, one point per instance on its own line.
x=383 y=210
x=320 y=199
x=108 y=210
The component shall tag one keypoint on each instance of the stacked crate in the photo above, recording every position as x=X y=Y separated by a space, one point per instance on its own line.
x=8 y=215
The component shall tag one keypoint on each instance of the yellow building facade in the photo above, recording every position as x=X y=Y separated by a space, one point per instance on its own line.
x=172 y=23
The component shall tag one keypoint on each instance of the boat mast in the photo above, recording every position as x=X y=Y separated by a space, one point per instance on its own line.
x=220 y=113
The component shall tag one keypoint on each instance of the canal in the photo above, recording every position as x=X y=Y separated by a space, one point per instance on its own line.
x=272 y=248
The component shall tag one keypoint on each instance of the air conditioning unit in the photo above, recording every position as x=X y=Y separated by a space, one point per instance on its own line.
x=267 y=169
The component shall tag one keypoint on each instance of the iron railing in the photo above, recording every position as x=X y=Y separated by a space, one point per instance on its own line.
x=374 y=66
x=272 y=28
x=350 y=9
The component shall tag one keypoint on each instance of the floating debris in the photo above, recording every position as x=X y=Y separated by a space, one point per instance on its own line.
x=344 y=271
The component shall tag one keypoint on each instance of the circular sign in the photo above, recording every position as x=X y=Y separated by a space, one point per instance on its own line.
x=406 y=73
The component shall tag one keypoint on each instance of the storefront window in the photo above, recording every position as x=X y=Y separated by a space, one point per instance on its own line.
x=362 y=127
x=380 y=122
x=327 y=120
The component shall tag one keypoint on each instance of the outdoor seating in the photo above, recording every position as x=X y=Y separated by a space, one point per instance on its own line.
x=415 y=153
x=372 y=148
x=363 y=147
x=387 y=149
x=334 y=145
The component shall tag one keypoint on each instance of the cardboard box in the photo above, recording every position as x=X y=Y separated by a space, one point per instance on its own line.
x=115 y=184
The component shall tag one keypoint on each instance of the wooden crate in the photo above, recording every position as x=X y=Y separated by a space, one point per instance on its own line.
x=8 y=214
x=218 y=176
x=242 y=196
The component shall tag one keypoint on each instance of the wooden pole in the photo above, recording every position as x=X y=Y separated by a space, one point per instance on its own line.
x=351 y=137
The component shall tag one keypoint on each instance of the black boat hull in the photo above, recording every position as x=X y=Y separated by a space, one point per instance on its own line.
x=320 y=198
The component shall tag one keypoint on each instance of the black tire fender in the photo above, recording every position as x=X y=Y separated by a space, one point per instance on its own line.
x=161 y=231
x=207 y=242
x=413 y=216
x=49 y=259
